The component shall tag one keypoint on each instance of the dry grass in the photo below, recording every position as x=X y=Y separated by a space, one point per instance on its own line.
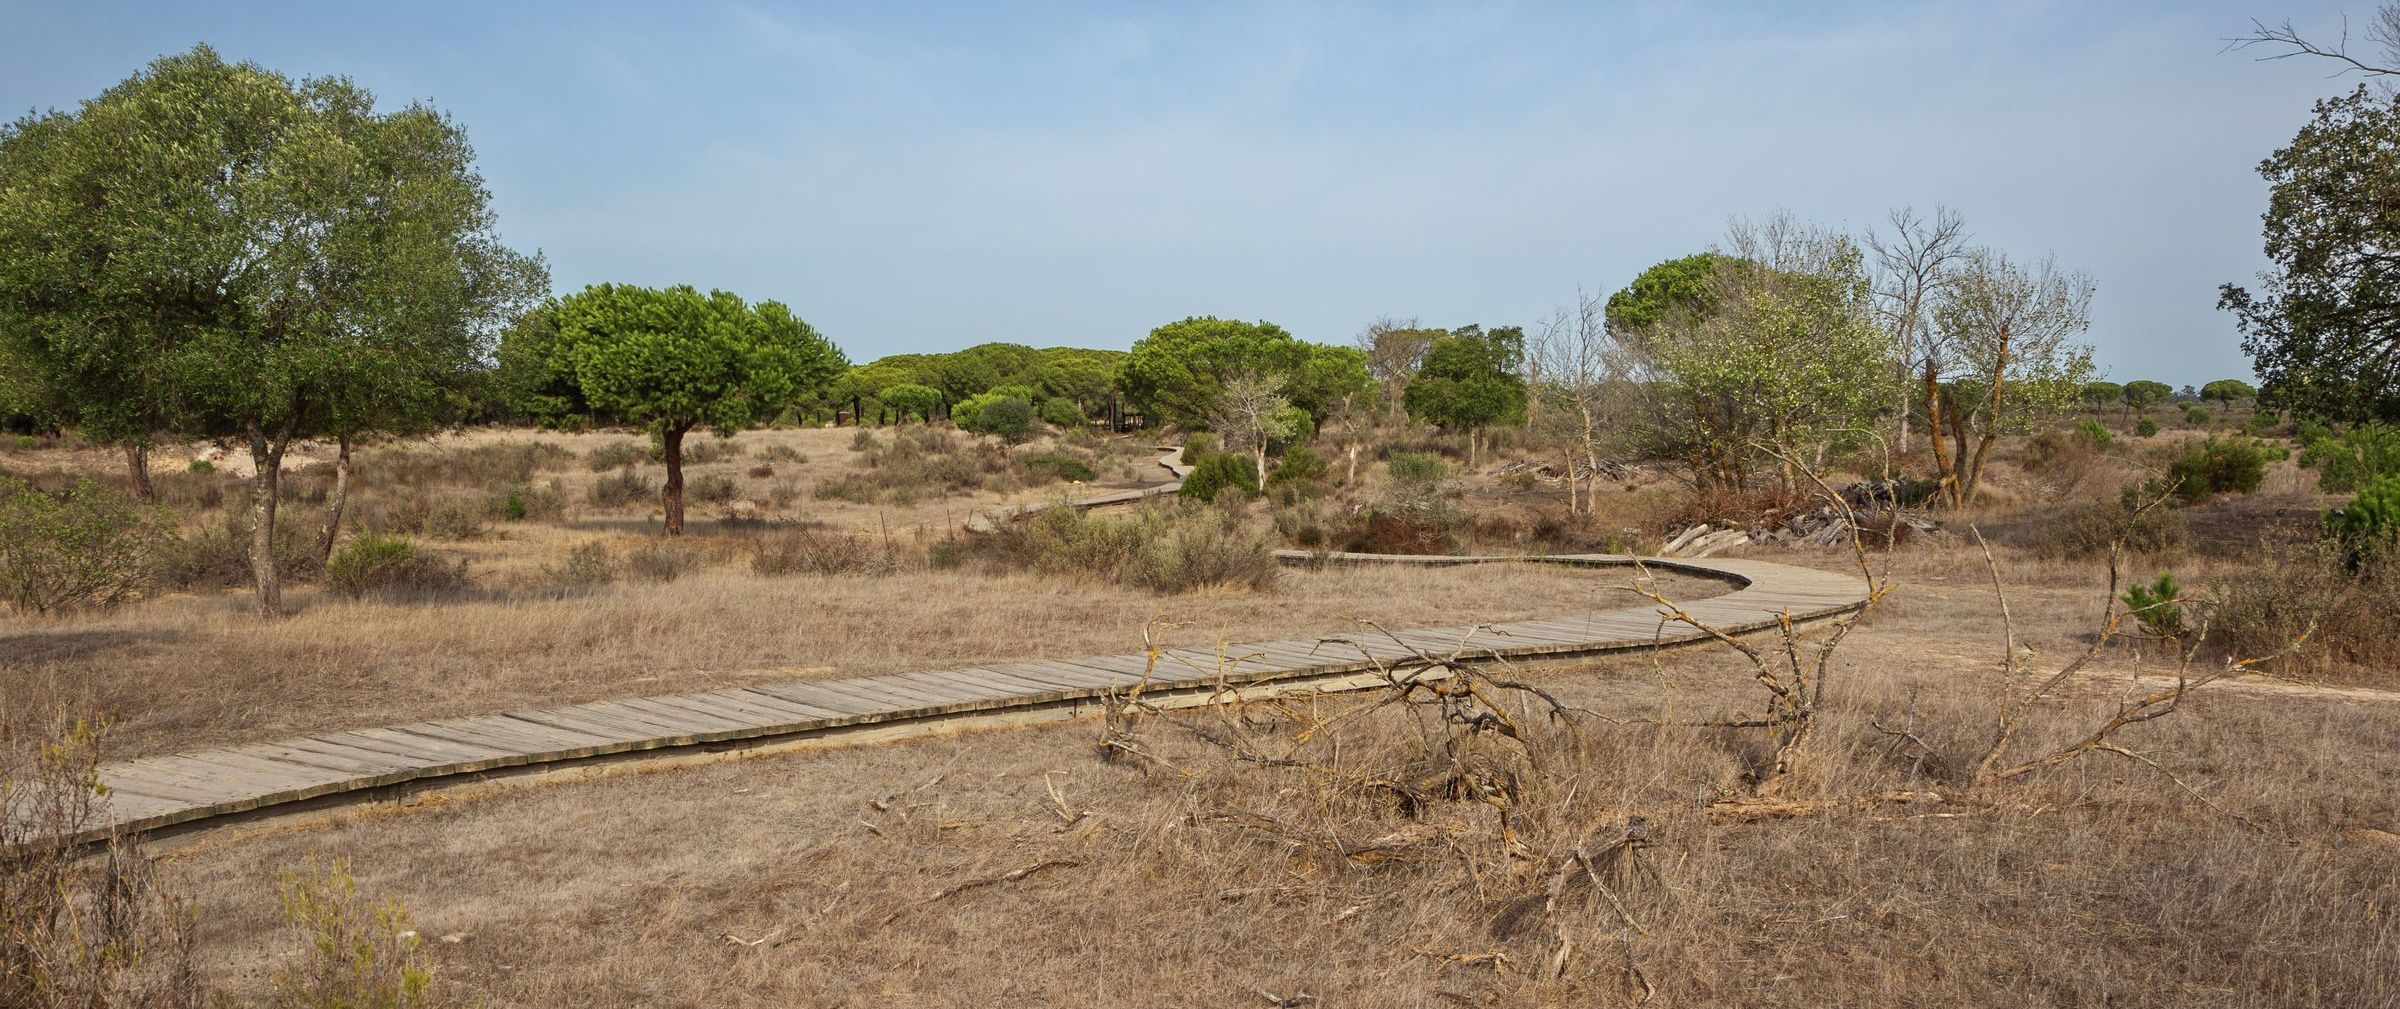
x=1200 y=878
x=200 y=671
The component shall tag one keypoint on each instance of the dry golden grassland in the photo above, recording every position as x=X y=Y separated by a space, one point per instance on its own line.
x=1192 y=872
x=1615 y=845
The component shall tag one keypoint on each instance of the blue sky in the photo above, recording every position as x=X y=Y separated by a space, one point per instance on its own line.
x=923 y=177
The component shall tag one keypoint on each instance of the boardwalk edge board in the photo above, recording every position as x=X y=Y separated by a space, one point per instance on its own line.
x=187 y=790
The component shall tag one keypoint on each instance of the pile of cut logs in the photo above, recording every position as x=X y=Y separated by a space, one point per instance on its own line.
x=1822 y=527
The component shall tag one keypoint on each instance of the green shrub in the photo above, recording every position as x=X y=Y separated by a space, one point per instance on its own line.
x=545 y=503
x=2086 y=531
x=1060 y=412
x=1416 y=468
x=1199 y=445
x=1218 y=474
x=2310 y=430
x=352 y=952
x=621 y=489
x=1008 y=418
x=1061 y=467
x=2367 y=527
x=512 y=507
x=784 y=453
x=390 y=565
x=2094 y=433
x=26 y=442
x=202 y=466
x=1298 y=465
x=2218 y=466
x=2353 y=459
x=2158 y=605
x=2196 y=416
x=2145 y=427
x=87 y=547
x=2262 y=423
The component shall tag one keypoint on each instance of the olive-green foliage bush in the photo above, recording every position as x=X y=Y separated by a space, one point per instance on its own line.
x=456 y=518
x=1009 y=419
x=1298 y=465
x=2068 y=448
x=1200 y=444
x=2145 y=427
x=784 y=453
x=920 y=461
x=391 y=566
x=1061 y=413
x=352 y=952
x=622 y=489
x=86 y=547
x=1162 y=549
x=1415 y=514
x=616 y=455
x=2158 y=605
x=546 y=502
x=2218 y=466
x=1220 y=474
x=2368 y=526
x=2196 y=417
x=202 y=466
x=2354 y=458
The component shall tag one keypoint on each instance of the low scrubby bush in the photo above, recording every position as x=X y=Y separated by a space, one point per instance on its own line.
x=621 y=489
x=219 y=557
x=2145 y=427
x=2158 y=606
x=491 y=467
x=1061 y=467
x=1298 y=465
x=1164 y=549
x=616 y=455
x=784 y=453
x=588 y=566
x=2142 y=524
x=660 y=562
x=86 y=547
x=2368 y=526
x=1219 y=474
x=1061 y=413
x=456 y=519
x=714 y=488
x=696 y=451
x=391 y=566
x=820 y=552
x=2218 y=466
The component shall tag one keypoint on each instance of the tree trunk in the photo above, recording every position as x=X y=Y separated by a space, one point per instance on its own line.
x=335 y=502
x=1973 y=471
x=267 y=462
x=1351 y=477
x=1571 y=509
x=1258 y=457
x=137 y=472
x=670 y=497
x=1933 y=425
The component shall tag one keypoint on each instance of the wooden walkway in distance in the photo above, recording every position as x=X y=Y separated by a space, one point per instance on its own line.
x=223 y=782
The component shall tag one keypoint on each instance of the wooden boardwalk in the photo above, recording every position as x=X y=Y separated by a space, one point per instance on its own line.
x=190 y=788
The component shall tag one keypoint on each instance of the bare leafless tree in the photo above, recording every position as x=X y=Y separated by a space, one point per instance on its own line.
x=1584 y=382
x=1909 y=263
x=2283 y=41
x=1251 y=412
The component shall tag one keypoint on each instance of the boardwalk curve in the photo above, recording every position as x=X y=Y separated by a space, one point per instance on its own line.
x=202 y=787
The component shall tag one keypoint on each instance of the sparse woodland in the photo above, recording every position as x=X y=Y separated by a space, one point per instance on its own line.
x=2118 y=724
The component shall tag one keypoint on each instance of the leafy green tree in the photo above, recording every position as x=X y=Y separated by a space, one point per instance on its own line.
x=1079 y=375
x=1330 y=382
x=673 y=359
x=1769 y=349
x=215 y=250
x=1177 y=372
x=909 y=398
x=2228 y=390
x=2103 y=393
x=1470 y=380
x=2321 y=332
x=1060 y=412
x=984 y=367
x=990 y=413
x=2141 y=395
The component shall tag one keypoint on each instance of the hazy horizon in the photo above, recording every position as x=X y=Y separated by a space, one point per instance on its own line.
x=1076 y=176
